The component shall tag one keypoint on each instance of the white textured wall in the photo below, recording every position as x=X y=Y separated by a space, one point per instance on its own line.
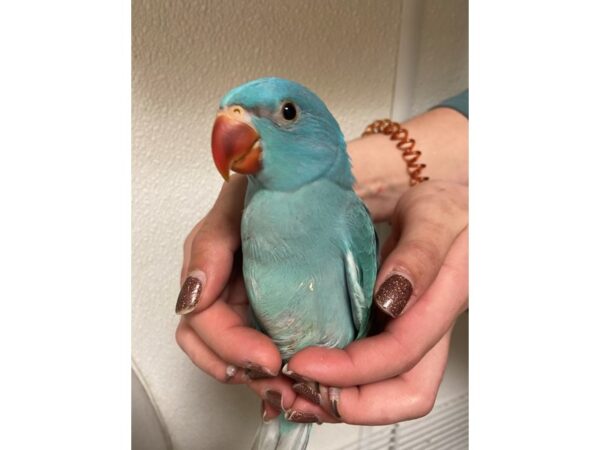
x=443 y=55
x=186 y=55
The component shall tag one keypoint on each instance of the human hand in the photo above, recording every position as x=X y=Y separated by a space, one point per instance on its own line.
x=395 y=374
x=214 y=330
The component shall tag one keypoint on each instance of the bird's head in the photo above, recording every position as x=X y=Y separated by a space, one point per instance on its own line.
x=281 y=134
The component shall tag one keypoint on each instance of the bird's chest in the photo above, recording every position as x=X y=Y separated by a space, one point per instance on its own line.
x=288 y=257
x=293 y=270
x=284 y=228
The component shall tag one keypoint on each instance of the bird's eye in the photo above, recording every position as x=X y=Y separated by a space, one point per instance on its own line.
x=288 y=111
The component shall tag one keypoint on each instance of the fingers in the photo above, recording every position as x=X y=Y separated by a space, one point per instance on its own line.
x=426 y=223
x=218 y=338
x=278 y=394
x=209 y=250
x=276 y=391
x=209 y=267
x=405 y=397
x=404 y=341
x=269 y=412
x=206 y=359
x=222 y=330
x=408 y=396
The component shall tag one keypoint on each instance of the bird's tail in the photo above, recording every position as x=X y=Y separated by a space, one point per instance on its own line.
x=280 y=434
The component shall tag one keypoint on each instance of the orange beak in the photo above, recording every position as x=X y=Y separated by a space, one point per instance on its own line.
x=235 y=143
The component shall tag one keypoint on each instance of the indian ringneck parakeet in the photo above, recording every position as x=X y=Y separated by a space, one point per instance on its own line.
x=308 y=242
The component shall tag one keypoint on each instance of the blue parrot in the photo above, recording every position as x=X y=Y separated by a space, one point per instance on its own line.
x=309 y=246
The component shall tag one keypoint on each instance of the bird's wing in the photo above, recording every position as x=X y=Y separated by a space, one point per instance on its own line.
x=360 y=263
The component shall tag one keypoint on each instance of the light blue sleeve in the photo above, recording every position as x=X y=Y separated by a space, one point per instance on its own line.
x=459 y=103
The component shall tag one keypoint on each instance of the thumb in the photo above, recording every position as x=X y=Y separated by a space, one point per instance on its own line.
x=424 y=228
x=209 y=252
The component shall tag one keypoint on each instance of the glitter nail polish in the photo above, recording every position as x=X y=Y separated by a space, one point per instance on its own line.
x=393 y=295
x=190 y=293
x=301 y=417
x=308 y=390
x=274 y=398
x=255 y=371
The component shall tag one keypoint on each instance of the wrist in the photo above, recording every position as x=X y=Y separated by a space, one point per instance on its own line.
x=381 y=172
x=442 y=134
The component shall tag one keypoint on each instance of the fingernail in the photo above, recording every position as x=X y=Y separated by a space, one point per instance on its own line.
x=264 y=412
x=230 y=373
x=255 y=372
x=334 y=399
x=274 y=398
x=309 y=390
x=190 y=292
x=293 y=375
x=301 y=417
x=393 y=295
